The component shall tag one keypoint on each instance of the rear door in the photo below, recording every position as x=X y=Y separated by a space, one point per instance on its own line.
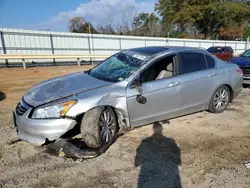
x=196 y=81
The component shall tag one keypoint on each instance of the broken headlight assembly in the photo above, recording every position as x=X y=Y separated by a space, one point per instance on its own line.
x=53 y=111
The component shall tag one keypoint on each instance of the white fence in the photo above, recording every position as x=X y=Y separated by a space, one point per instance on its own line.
x=18 y=41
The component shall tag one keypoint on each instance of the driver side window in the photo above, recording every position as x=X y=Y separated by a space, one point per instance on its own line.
x=163 y=68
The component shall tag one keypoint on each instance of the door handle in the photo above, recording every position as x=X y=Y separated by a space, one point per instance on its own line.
x=173 y=84
x=211 y=74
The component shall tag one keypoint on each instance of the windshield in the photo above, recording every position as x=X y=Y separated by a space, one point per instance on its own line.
x=118 y=67
x=246 y=54
x=215 y=50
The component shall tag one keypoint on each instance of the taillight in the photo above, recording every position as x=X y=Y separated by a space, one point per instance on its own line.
x=239 y=71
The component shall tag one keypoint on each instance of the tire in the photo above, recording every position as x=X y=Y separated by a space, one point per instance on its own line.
x=99 y=127
x=220 y=100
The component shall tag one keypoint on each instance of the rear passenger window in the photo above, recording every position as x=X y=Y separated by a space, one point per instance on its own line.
x=191 y=62
x=210 y=62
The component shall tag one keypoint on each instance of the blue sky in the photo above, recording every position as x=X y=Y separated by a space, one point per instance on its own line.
x=55 y=14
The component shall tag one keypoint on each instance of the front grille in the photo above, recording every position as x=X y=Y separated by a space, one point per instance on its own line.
x=246 y=71
x=21 y=108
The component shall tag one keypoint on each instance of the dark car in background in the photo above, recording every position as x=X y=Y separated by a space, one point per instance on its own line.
x=224 y=53
x=243 y=61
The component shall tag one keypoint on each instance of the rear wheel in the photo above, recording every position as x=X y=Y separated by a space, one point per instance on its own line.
x=99 y=127
x=219 y=100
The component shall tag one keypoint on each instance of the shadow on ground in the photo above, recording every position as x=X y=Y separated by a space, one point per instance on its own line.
x=2 y=96
x=158 y=157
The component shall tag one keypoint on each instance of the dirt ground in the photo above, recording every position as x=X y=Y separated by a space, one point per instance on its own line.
x=199 y=150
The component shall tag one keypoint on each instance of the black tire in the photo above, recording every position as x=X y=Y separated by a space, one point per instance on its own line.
x=220 y=100
x=96 y=129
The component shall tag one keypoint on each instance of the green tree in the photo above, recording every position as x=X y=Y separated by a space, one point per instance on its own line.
x=106 y=29
x=80 y=25
x=146 y=24
x=207 y=16
x=246 y=33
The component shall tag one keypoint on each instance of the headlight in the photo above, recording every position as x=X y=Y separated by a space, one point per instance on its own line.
x=55 y=111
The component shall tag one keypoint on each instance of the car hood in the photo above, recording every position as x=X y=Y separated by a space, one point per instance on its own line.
x=241 y=61
x=61 y=87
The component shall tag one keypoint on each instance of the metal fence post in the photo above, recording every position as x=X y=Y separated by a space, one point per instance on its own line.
x=24 y=65
x=89 y=48
x=93 y=49
x=120 y=43
x=78 y=62
x=52 y=47
x=168 y=39
x=235 y=48
x=3 y=46
x=247 y=43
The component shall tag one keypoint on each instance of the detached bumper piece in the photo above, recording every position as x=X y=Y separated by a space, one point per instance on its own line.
x=73 y=148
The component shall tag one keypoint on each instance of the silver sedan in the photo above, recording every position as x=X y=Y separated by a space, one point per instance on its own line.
x=131 y=88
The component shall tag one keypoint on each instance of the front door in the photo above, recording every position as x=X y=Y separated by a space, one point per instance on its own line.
x=162 y=94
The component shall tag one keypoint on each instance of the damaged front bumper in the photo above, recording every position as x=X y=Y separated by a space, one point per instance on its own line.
x=37 y=131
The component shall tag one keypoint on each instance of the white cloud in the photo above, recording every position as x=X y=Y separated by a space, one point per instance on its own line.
x=98 y=12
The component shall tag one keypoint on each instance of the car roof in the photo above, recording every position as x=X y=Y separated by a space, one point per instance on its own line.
x=152 y=50
x=220 y=47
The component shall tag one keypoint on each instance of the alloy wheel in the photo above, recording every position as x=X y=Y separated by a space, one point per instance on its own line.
x=221 y=99
x=107 y=126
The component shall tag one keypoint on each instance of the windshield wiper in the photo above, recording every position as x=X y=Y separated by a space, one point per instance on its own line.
x=88 y=71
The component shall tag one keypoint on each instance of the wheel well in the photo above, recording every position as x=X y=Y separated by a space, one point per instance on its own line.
x=77 y=128
x=120 y=120
x=119 y=116
x=231 y=92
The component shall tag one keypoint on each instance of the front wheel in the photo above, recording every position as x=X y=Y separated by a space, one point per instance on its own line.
x=219 y=100
x=99 y=127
